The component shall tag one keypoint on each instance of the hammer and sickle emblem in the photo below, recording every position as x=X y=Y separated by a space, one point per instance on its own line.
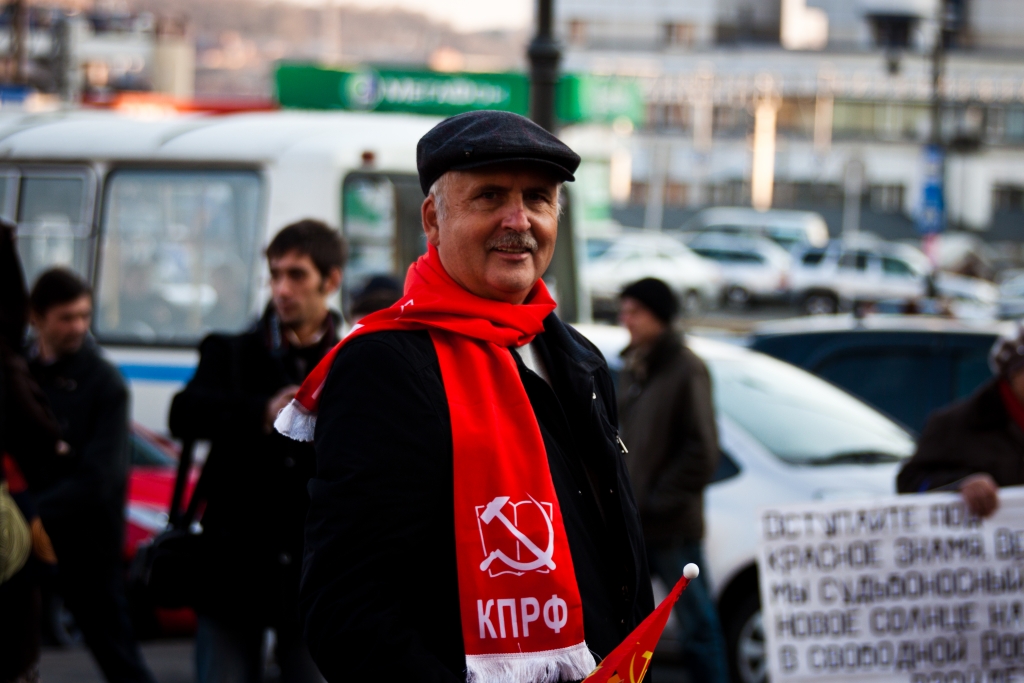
x=542 y=558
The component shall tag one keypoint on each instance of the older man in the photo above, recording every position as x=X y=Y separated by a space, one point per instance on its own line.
x=471 y=517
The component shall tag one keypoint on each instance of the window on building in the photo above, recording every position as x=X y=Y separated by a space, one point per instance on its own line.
x=796 y=116
x=638 y=193
x=577 y=32
x=180 y=254
x=678 y=34
x=676 y=194
x=807 y=195
x=1008 y=198
x=885 y=198
x=1014 y=130
x=730 y=193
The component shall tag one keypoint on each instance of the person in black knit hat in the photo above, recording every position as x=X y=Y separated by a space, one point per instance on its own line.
x=667 y=421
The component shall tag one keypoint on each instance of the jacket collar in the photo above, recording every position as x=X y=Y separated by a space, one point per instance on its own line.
x=985 y=408
x=557 y=335
x=269 y=327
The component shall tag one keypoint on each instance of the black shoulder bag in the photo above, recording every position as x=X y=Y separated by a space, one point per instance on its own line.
x=166 y=570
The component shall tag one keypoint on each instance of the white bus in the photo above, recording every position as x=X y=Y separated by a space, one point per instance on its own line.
x=168 y=218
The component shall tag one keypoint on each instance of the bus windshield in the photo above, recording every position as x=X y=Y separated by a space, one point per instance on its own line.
x=178 y=254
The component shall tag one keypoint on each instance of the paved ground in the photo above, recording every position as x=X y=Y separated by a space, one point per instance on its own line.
x=171 y=662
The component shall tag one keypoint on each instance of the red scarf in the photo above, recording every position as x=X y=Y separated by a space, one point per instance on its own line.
x=1013 y=406
x=522 y=617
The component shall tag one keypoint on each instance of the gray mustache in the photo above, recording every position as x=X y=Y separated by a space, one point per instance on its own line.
x=513 y=240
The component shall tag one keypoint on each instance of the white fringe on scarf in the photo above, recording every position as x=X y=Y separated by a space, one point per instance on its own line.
x=572 y=663
x=295 y=422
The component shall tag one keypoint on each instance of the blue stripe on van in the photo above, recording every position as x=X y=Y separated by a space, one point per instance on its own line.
x=157 y=373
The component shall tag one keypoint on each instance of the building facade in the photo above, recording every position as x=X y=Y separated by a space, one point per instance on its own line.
x=856 y=100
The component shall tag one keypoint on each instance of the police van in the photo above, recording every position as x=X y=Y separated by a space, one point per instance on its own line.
x=168 y=217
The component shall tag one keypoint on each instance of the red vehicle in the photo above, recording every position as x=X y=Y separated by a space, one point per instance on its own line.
x=154 y=467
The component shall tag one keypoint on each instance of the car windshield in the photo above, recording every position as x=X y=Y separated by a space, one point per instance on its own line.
x=800 y=418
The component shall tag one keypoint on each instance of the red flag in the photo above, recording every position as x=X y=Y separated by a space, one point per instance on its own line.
x=628 y=663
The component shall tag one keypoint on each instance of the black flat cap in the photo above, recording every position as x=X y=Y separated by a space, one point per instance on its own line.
x=484 y=138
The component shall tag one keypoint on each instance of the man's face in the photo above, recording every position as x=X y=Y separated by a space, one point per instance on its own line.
x=298 y=290
x=644 y=327
x=497 y=233
x=63 y=327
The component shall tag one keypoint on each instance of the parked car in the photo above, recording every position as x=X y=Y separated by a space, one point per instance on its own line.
x=786 y=436
x=851 y=272
x=754 y=269
x=617 y=260
x=846 y=272
x=154 y=467
x=905 y=366
x=787 y=228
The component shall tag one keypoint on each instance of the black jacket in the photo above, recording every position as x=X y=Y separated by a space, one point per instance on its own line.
x=85 y=488
x=254 y=480
x=668 y=424
x=972 y=436
x=379 y=586
x=28 y=430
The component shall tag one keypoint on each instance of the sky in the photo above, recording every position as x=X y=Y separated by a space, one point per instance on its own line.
x=463 y=15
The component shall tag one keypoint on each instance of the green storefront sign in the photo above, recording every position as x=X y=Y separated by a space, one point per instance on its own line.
x=580 y=98
x=392 y=90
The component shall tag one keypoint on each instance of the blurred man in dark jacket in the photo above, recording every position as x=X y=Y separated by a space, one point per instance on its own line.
x=82 y=502
x=255 y=479
x=668 y=424
x=977 y=445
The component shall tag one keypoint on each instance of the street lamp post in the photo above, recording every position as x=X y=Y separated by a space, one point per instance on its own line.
x=545 y=55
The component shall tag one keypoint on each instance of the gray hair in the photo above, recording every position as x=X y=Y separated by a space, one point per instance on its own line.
x=439 y=192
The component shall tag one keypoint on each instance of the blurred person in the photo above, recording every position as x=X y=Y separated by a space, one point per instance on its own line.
x=82 y=504
x=668 y=423
x=976 y=445
x=380 y=292
x=142 y=312
x=28 y=439
x=463 y=415
x=255 y=479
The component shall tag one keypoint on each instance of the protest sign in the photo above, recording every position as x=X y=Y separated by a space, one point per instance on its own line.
x=911 y=589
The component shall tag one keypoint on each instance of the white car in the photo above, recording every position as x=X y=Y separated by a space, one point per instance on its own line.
x=845 y=272
x=786 y=436
x=787 y=228
x=614 y=262
x=870 y=270
x=754 y=269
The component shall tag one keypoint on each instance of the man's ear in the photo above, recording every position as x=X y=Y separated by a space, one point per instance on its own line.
x=332 y=282
x=428 y=212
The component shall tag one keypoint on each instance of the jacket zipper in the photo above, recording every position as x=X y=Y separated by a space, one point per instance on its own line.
x=622 y=446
